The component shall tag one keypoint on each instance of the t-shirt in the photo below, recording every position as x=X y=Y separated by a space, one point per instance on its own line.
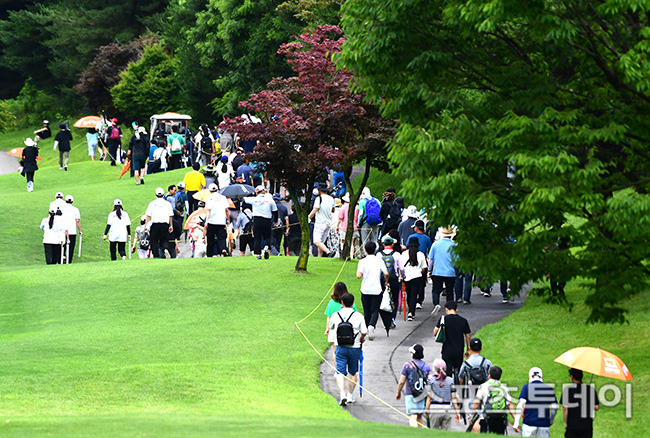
x=217 y=204
x=224 y=178
x=170 y=140
x=70 y=216
x=425 y=242
x=441 y=253
x=484 y=391
x=357 y=321
x=118 y=232
x=343 y=216
x=473 y=360
x=333 y=307
x=63 y=138
x=372 y=267
x=51 y=235
x=194 y=180
x=159 y=211
x=580 y=399
x=442 y=394
x=405 y=230
x=92 y=138
x=410 y=271
x=244 y=172
x=410 y=367
x=263 y=205
x=325 y=205
x=456 y=327
x=539 y=396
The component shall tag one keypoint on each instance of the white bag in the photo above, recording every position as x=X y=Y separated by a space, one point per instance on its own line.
x=386 y=302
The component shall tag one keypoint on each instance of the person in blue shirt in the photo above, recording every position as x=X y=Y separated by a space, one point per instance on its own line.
x=424 y=246
x=539 y=405
x=245 y=173
x=442 y=269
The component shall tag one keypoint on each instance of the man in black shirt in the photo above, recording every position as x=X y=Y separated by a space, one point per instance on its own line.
x=62 y=140
x=457 y=336
x=45 y=131
x=579 y=403
x=294 y=234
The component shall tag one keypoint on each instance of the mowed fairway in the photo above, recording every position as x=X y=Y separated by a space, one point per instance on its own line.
x=166 y=347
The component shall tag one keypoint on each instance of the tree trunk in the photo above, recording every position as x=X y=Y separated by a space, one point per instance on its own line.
x=354 y=200
x=303 y=216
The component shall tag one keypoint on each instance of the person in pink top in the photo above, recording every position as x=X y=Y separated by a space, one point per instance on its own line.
x=342 y=224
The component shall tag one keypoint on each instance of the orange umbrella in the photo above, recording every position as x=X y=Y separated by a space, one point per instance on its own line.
x=205 y=193
x=18 y=153
x=87 y=122
x=595 y=361
x=195 y=218
x=126 y=167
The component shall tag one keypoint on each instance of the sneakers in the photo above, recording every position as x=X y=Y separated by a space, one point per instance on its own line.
x=344 y=399
x=486 y=294
x=331 y=254
x=435 y=311
x=371 y=333
x=409 y=318
x=224 y=253
x=418 y=306
x=259 y=257
x=467 y=302
x=141 y=180
x=350 y=398
x=392 y=324
x=505 y=301
x=266 y=253
x=30 y=186
x=60 y=168
x=65 y=168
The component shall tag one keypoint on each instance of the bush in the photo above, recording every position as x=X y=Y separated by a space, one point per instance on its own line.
x=7 y=119
x=31 y=106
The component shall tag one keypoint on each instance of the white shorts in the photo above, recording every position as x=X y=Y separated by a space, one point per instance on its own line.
x=321 y=231
x=535 y=431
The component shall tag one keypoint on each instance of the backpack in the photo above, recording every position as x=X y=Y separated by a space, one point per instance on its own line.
x=417 y=379
x=372 y=212
x=249 y=225
x=206 y=145
x=394 y=216
x=176 y=144
x=496 y=404
x=476 y=375
x=144 y=241
x=115 y=133
x=389 y=261
x=180 y=204
x=345 y=332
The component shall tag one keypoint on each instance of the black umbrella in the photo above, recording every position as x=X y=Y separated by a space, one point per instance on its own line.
x=237 y=191
x=387 y=319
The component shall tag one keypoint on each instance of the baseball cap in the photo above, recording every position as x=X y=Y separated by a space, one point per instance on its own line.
x=117 y=202
x=387 y=239
x=58 y=195
x=223 y=159
x=160 y=191
x=321 y=186
x=412 y=211
x=69 y=199
x=346 y=197
x=475 y=344
x=46 y=122
x=259 y=188
x=181 y=185
x=390 y=190
x=417 y=351
x=535 y=373
x=419 y=223
x=276 y=196
x=213 y=187
x=114 y=120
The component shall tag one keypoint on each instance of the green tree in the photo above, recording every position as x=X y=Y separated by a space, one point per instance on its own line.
x=147 y=86
x=525 y=124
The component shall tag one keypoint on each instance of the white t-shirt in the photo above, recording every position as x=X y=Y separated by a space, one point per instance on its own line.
x=117 y=232
x=51 y=235
x=70 y=216
x=159 y=211
x=484 y=391
x=263 y=205
x=410 y=271
x=324 y=204
x=372 y=267
x=217 y=205
x=223 y=178
x=357 y=321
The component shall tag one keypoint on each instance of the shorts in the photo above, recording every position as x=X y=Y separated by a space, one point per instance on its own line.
x=412 y=407
x=347 y=360
x=321 y=231
x=92 y=149
x=138 y=163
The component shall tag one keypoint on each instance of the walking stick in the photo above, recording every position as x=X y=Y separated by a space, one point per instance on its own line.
x=404 y=299
x=67 y=252
x=80 y=240
x=62 y=248
x=129 y=251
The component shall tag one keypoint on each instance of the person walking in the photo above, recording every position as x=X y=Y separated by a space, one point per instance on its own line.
x=457 y=333
x=494 y=400
x=442 y=269
x=322 y=213
x=54 y=237
x=579 y=405
x=194 y=182
x=72 y=221
x=92 y=138
x=392 y=260
x=62 y=141
x=405 y=228
x=264 y=209
x=415 y=406
x=538 y=403
x=348 y=339
x=113 y=140
x=218 y=218
x=118 y=229
x=370 y=269
x=141 y=242
x=413 y=264
x=205 y=142
x=424 y=245
x=280 y=225
x=138 y=151
x=225 y=174
x=160 y=214
x=366 y=215
x=30 y=155
x=442 y=397
x=175 y=145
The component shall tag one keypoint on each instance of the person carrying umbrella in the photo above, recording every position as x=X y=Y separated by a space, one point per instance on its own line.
x=118 y=229
x=579 y=403
x=29 y=155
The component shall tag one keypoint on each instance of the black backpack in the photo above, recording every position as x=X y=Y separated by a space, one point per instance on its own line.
x=389 y=261
x=345 y=332
x=180 y=204
x=206 y=144
x=417 y=382
x=144 y=241
x=248 y=228
x=476 y=375
x=394 y=216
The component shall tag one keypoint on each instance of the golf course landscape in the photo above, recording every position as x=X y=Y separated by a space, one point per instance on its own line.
x=196 y=347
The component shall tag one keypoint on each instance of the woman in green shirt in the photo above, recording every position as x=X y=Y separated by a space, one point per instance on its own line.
x=334 y=306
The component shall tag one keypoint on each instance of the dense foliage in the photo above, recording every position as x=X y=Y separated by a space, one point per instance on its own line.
x=525 y=124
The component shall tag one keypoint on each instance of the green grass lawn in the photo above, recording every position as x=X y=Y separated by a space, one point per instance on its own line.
x=538 y=333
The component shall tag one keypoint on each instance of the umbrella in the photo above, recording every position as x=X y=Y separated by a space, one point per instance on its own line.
x=195 y=219
x=205 y=193
x=237 y=190
x=87 y=122
x=595 y=361
x=18 y=153
x=387 y=319
x=126 y=167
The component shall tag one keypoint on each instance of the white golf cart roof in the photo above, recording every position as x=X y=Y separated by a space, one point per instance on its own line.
x=167 y=117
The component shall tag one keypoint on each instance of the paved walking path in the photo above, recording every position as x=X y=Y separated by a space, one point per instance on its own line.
x=8 y=163
x=385 y=356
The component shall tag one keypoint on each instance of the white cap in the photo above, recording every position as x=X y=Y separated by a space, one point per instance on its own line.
x=46 y=122
x=117 y=202
x=365 y=193
x=29 y=142
x=535 y=373
x=160 y=191
x=213 y=187
x=260 y=188
x=412 y=211
x=69 y=199
x=181 y=185
x=58 y=195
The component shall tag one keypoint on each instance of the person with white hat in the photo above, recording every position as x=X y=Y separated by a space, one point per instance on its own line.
x=45 y=131
x=30 y=155
x=538 y=404
x=264 y=209
x=118 y=230
x=405 y=228
x=218 y=215
x=160 y=214
x=441 y=268
x=72 y=221
x=141 y=242
x=58 y=203
x=367 y=217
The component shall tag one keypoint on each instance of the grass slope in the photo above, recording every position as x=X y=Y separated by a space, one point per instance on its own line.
x=167 y=348
x=538 y=333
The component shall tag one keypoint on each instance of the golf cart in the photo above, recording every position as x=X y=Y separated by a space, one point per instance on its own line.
x=161 y=126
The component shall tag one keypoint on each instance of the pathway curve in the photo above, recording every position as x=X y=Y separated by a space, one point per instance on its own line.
x=385 y=356
x=8 y=163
